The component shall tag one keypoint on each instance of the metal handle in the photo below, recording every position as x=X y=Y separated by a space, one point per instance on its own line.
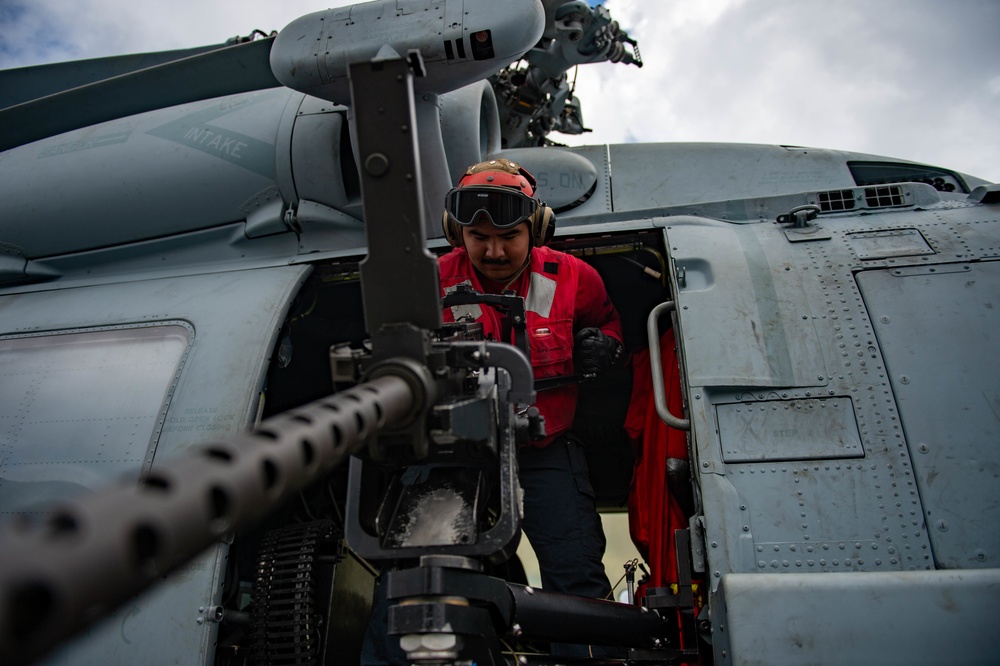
x=659 y=394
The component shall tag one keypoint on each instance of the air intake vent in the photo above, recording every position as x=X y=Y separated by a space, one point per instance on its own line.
x=836 y=200
x=453 y=48
x=868 y=174
x=884 y=197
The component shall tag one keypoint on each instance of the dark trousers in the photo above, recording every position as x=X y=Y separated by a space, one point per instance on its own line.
x=561 y=521
x=563 y=527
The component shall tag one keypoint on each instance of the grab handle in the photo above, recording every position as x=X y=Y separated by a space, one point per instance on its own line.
x=659 y=393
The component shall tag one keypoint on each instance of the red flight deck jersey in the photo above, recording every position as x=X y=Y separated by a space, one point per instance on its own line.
x=562 y=295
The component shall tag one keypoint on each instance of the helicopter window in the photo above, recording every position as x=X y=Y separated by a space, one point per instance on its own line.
x=880 y=173
x=102 y=390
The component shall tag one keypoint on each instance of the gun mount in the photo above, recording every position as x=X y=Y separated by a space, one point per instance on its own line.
x=449 y=496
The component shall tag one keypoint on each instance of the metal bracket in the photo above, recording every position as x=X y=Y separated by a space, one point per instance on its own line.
x=386 y=126
x=800 y=216
x=681 y=276
x=211 y=614
x=509 y=304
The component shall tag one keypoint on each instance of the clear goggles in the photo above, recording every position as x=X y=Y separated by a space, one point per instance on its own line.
x=506 y=207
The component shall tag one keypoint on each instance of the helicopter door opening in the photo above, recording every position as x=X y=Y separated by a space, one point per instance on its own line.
x=328 y=312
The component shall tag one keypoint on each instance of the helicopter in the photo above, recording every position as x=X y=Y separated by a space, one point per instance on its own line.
x=817 y=479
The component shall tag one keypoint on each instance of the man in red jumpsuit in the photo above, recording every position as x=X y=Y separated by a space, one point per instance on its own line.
x=499 y=232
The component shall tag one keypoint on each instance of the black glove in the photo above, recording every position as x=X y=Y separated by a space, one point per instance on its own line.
x=594 y=352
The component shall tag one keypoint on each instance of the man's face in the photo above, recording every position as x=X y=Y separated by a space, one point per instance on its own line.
x=497 y=253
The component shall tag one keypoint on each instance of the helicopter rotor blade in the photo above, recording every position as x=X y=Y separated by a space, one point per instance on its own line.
x=234 y=69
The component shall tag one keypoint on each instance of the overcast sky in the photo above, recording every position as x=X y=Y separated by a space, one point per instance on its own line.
x=913 y=79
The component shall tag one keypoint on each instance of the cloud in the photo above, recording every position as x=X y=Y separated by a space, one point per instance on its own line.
x=27 y=35
x=40 y=31
x=903 y=79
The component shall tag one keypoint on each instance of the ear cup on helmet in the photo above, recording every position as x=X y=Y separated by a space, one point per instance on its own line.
x=543 y=226
x=452 y=230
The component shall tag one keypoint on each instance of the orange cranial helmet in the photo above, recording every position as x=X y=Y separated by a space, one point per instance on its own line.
x=499 y=173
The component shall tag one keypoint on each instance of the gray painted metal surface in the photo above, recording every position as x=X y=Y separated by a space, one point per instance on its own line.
x=693 y=173
x=789 y=430
x=906 y=618
x=730 y=181
x=358 y=33
x=225 y=325
x=231 y=69
x=928 y=319
x=742 y=292
x=28 y=83
x=843 y=396
x=206 y=159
